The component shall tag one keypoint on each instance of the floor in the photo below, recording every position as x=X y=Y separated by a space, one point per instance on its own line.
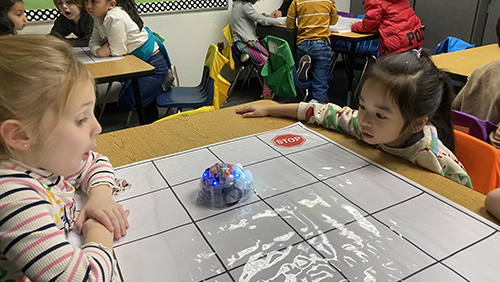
x=115 y=118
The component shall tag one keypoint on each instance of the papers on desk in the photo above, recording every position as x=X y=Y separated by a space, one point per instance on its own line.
x=344 y=24
x=86 y=57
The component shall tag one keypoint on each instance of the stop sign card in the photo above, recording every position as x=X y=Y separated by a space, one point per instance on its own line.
x=289 y=140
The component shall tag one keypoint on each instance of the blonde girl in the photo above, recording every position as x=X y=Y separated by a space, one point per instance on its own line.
x=47 y=133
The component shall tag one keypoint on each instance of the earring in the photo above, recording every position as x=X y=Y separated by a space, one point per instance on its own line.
x=25 y=146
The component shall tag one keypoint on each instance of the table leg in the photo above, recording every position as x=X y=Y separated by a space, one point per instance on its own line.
x=350 y=75
x=138 y=101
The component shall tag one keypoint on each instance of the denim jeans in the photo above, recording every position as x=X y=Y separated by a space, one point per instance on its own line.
x=319 y=51
x=150 y=86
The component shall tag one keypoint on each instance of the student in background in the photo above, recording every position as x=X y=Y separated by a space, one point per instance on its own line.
x=12 y=17
x=480 y=96
x=310 y=22
x=244 y=19
x=73 y=19
x=47 y=134
x=404 y=107
x=118 y=30
x=395 y=21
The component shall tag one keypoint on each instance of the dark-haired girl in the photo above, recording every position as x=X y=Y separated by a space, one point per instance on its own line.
x=118 y=30
x=404 y=107
x=12 y=17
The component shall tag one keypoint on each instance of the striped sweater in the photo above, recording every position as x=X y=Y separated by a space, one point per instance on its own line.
x=311 y=19
x=37 y=211
x=428 y=152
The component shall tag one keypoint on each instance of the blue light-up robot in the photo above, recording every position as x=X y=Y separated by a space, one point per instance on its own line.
x=223 y=185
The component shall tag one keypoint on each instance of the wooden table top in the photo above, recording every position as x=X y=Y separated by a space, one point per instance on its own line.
x=167 y=137
x=464 y=62
x=349 y=35
x=120 y=70
x=354 y=35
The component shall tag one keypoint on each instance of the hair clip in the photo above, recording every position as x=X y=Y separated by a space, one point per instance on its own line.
x=418 y=52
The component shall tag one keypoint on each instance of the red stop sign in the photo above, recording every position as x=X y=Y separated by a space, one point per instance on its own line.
x=288 y=140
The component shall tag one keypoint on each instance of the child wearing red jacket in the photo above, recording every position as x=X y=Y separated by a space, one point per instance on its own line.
x=399 y=28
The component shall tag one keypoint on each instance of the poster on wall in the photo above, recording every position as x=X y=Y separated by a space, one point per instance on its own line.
x=44 y=10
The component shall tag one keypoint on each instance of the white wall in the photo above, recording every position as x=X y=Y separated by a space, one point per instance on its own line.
x=188 y=34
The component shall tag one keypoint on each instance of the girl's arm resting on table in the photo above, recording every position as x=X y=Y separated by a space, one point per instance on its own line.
x=32 y=241
x=104 y=51
x=117 y=36
x=105 y=210
x=96 y=41
x=96 y=178
x=94 y=231
x=492 y=202
x=342 y=119
x=287 y=110
x=328 y=115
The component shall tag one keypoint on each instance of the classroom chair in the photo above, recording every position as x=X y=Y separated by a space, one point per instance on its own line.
x=212 y=89
x=481 y=161
x=472 y=125
x=279 y=71
x=203 y=109
x=235 y=63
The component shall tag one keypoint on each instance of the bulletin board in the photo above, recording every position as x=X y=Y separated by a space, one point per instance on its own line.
x=44 y=10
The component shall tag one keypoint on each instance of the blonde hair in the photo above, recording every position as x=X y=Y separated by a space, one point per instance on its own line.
x=38 y=72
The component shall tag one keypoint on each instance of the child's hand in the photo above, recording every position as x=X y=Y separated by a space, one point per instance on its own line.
x=105 y=210
x=253 y=111
x=276 y=14
x=104 y=51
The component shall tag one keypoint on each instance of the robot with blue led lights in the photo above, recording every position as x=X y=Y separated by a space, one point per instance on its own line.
x=223 y=185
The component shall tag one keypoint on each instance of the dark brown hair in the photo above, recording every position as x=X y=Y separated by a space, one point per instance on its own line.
x=418 y=88
x=131 y=9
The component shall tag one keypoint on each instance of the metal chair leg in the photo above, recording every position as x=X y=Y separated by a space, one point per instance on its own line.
x=259 y=77
x=355 y=92
x=250 y=69
x=333 y=61
x=106 y=96
x=129 y=117
x=233 y=85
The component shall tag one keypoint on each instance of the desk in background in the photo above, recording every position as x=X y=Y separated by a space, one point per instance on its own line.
x=353 y=37
x=461 y=64
x=130 y=67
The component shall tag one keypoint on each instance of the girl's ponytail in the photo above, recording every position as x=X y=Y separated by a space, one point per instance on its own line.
x=442 y=116
x=131 y=9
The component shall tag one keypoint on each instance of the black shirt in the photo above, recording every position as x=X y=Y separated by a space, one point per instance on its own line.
x=83 y=30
